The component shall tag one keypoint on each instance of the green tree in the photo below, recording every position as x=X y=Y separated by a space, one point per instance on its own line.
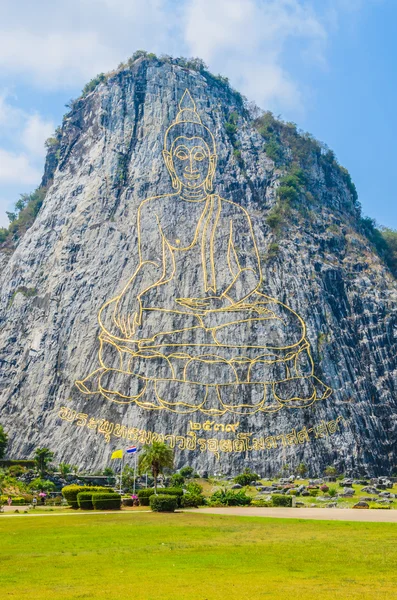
x=330 y=471
x=128 y=478
x=177 y=480
x=246 y=477
x=65 y=469
x=42 y=485
x=3 y=441
x=302 y=469
x=156 y=458
x=42 y=458
x=187 y=472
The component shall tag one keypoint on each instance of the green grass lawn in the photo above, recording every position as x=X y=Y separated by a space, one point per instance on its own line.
x=148 y=556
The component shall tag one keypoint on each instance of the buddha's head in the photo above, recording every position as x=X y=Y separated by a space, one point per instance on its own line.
x=189 y=149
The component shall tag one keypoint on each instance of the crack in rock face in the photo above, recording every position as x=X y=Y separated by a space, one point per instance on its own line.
x=152 y=300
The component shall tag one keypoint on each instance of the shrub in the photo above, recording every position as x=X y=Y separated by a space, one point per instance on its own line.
x=187 y=472
x=194 y=488
x=274 y=217
x=70 y=492
x=324 y=488
x=281 y=500
x=84 y=500
x=91 y=85
x=246 y=477
x=29 y=464
x=102 y=501
x=177 y=480
x=332 y=491
x=42 y=484
x=144 y=495
x=16 y=470
x=192 y=500
x=287 y=194
x=313 y=492
x=128 y=501
x=229 y=498
x=163 y=503
x=261 y=502
x=18 y=501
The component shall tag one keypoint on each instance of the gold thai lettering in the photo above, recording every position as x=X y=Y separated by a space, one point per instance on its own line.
x=226 y=445
x=282 y=439
x=67 y=414
x=120 y=431
x=106 y=428
x=170 y=439
x=321 y=431
x=194 y=426
x=303 y=436
x=81 y=419
x=243 y=442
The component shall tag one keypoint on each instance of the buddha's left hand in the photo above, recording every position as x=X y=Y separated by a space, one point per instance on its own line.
x=205 y=304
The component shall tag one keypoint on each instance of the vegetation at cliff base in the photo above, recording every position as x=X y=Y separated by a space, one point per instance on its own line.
x=3 y=441
x=159 y=556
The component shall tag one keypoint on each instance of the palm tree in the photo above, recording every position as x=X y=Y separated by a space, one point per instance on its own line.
x=65 y=469
x=156 y=458
x=42 y=458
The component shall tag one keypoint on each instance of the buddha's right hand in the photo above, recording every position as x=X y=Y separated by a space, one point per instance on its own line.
x=127 y=314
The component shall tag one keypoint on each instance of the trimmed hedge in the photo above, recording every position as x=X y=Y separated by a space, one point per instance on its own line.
x=106 y=501
x=70 y=492
x=29 y=464
x=84 y=500
x=192 y=500
x=163 y=503
x=281 y=500
x=16 y=500
x=144 y=495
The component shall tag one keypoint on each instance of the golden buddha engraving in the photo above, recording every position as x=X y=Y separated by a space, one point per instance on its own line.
x=192 y=331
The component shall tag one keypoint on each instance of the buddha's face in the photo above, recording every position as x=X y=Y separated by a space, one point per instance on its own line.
x=191 y=161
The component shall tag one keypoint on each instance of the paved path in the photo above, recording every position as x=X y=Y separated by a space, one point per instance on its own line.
x=317 y=514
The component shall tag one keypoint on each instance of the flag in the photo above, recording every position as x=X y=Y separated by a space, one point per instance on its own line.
x=117 y=454
x=131 y=449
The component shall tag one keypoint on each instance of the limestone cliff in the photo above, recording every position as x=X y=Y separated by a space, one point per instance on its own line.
x=82 y=250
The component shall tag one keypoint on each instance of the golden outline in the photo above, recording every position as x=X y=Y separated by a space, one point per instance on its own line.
x=193 y=183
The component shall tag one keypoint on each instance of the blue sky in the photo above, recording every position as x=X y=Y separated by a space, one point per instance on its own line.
x=328 y=65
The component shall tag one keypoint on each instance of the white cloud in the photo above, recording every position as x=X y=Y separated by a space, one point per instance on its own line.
x=17 y=168
x=250 y=37
x=34 y=134
x=22 y=137
x=246 y=40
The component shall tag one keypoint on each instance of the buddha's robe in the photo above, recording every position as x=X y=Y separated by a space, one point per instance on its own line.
x=253 y=339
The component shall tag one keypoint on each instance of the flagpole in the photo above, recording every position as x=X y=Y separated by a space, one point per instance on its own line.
x=135 y=471
x=121 y=471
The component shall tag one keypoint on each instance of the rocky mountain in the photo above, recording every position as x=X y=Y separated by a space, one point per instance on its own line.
x=290 y=357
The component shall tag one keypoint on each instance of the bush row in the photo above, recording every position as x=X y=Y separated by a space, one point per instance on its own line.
x=163 y=503
x=70 y=492
x=99 y=501
x=145 y=495
x=29 y=464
